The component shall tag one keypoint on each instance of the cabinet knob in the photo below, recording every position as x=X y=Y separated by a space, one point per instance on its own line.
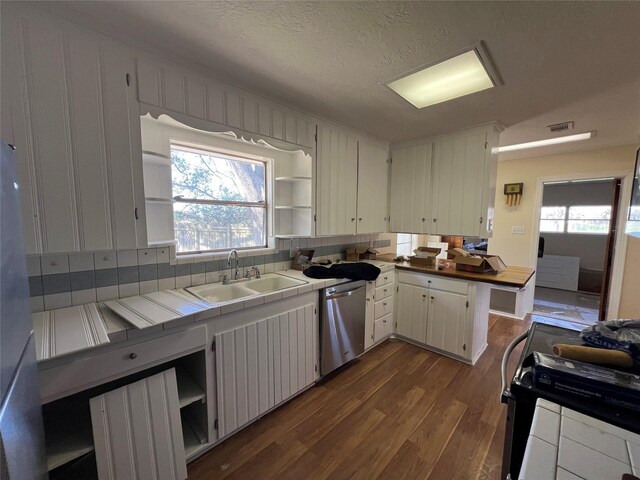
x=435 y=220
x=386 y=278
x=133 y=356
x=384 y=290
x=353 y=219
x=423 y=219
x=384 y=304
x=431 y=298
x=384 y=321
x=424 y=296
x=360 y=219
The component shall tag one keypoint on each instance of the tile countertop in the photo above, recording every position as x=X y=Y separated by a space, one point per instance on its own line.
x=58 y=323
x=566 y=445
x=516 y=277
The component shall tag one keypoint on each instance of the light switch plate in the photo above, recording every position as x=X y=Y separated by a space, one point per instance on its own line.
x=519 y=230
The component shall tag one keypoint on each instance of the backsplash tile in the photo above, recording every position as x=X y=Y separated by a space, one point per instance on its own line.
x=103 y=260
x=81 y=261
x=107 y=277
x=58 y=263
x=83 y=280
x=60 y=280
x=57 y=283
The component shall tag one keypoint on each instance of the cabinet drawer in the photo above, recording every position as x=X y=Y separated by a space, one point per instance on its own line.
x=86 y=372
x=435 y=282
x=384 y=278
x=384 y=292
x=384 y=307
x=382 y=328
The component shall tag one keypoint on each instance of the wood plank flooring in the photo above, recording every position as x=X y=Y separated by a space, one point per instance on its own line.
x=397 y=412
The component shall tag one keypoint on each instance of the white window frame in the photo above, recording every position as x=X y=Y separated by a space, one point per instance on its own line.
x=233 y=156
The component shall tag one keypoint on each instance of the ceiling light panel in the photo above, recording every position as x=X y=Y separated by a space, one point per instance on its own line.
x=546 y=142
x=456 y=77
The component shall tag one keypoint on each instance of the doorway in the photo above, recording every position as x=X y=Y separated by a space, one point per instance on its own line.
x=577 y=233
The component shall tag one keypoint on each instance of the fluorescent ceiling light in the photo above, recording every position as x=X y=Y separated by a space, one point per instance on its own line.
x=458 y=76
x=546 y=142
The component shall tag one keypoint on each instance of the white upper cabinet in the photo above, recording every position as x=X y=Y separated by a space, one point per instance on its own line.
x=336 y=180
x=351 y=183
x=173 y=89
x=446 y=186
x=410 y=189
x=76 y=134
x=458 y=172
x=372 y=187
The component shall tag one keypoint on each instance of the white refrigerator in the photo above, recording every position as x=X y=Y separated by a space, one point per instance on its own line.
x=22 y=453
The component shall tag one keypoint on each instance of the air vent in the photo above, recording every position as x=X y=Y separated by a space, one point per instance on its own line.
x=560 y=127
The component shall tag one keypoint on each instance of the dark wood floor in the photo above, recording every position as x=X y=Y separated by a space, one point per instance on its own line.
x=397 y=412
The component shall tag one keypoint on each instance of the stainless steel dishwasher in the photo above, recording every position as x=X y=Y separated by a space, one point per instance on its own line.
x=342 y=326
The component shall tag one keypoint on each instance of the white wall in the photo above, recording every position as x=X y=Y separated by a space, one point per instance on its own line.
x=516 y=249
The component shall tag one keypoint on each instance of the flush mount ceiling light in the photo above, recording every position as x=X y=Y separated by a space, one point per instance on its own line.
x=467 y=72
x=546 y=142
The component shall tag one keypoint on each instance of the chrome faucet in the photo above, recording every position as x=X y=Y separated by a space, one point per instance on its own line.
x=232 y=263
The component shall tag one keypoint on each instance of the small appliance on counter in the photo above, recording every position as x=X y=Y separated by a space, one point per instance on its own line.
x=527 y=385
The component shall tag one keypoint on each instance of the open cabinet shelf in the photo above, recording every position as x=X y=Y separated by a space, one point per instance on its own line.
x=68 y=434
x=188 y=389
x=293 y=196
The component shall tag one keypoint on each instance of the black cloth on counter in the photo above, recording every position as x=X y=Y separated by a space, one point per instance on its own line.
x=354 y=271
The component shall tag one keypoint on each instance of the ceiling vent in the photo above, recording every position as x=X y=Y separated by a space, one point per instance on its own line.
x=560 y=127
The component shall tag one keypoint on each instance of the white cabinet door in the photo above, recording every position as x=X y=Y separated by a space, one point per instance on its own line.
x=458 y=184
x=383 y=327
x=410 y=189
x=372 y=188
x=412 y=312
x=369 y=316
x=447 y=321
x=137 y=430
x=77 y=136
x=123 y=144
x=336 y=182
x=262 y=364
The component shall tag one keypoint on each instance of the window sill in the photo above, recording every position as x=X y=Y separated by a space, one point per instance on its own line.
x=209 y=257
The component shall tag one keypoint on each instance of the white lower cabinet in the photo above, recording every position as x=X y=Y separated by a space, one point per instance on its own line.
x=411 y=312
x=449 y=316
x=379 y=309
x=264 y=363
x=137 y=430
x=370 y=318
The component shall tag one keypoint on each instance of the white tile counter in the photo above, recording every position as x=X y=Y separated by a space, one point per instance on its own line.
x=566 y=445
x=58 y=338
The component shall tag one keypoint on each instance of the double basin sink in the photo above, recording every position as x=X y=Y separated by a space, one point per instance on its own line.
x=218 y=293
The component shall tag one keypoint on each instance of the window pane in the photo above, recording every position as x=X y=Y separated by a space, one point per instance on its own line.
x=206 y=176
x=634 y=214
x=597 y=212
x=217 y=227
x=588 y=226
x=404 y=249
x=404 y=237
x=552 y=226
x=553 y=213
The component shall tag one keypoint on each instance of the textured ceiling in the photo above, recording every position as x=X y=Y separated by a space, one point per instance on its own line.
x=330 y=58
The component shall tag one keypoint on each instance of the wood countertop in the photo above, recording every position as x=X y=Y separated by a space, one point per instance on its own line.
x=511 y=277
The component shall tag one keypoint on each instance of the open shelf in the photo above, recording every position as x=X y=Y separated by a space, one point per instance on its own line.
x=188 y=389
x=194 y=438
x=68 y=435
